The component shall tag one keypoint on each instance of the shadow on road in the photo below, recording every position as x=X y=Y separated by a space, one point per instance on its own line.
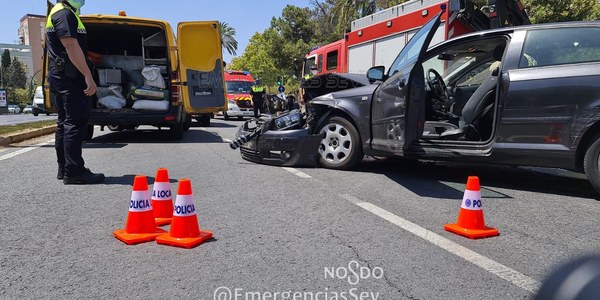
x=155 y=136
x=445 y=180
x=127 y=180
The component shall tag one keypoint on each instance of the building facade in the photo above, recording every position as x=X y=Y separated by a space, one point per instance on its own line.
x=31 y=33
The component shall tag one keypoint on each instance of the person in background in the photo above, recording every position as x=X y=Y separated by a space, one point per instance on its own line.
x=71 y=81
x=258 y=98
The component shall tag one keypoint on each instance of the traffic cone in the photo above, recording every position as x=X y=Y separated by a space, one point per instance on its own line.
x=140 y=226
x=185 y=231
x=470 y=217
x=162 y=201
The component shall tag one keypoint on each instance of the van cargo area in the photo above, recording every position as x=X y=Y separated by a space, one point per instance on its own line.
x=133 y=75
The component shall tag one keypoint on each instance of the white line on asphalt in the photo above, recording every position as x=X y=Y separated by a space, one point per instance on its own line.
x=24 y=150
x=227 y=140
x=297 y=173
x=519 y=279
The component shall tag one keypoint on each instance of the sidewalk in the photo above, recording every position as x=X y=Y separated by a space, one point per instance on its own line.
x=11 y=138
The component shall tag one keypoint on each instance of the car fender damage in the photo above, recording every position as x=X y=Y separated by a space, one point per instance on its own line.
x=286 y=140
x=292 y=139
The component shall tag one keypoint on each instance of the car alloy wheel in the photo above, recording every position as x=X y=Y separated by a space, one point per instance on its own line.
x=340 y=147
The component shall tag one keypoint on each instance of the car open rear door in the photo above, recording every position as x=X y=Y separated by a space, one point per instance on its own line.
x=398 y=109
x=201 y=66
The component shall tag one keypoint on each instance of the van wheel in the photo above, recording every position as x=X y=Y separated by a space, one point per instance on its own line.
x=35 y=114
x=89 y=133
x=340 y=148
x=225 y=116
x=591 y=164
x=187 y=124
x=176 y=131
x=204 y=120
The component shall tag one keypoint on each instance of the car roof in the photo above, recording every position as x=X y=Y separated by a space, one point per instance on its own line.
x=507 y=30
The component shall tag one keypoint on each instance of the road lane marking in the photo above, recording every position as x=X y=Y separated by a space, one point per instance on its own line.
x=297 y=173
x=519 y=279
x=24 y=150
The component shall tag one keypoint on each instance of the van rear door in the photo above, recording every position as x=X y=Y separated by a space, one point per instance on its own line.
x=201 y=66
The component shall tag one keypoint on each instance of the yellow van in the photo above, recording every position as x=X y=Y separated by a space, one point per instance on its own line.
x=123 y=48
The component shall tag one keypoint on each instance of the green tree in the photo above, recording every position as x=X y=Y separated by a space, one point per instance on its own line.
x=228 y=37
x=15 y=75
x=5 y=64
x=544 y=11
x=295 y=23
x=21 y=97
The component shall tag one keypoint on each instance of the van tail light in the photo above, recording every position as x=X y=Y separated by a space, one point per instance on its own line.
x=175 y=88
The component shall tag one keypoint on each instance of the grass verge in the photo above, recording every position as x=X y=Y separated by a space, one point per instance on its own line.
x=7 y=129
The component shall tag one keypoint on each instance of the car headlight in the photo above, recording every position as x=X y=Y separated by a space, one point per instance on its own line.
x=291 y=119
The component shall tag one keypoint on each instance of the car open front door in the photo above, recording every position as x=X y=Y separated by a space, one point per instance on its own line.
x=398 y=111
x=201 y=66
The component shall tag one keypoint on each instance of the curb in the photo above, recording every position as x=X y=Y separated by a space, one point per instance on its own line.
x=19 y=137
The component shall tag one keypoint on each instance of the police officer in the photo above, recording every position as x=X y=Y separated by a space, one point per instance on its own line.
x=72 y=84
x=258 y=98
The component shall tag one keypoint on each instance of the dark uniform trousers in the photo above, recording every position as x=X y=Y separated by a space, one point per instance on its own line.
x=73 y=115
x=258 y=107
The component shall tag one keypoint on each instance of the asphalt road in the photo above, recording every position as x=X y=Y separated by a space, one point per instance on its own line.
x=283 y=231
x=10 y=119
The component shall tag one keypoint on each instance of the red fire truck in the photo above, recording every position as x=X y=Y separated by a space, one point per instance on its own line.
x=376 y=40
x=239 y=100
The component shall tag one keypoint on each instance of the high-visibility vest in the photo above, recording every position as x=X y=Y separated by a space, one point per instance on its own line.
x=258 y=89
x=55 y=9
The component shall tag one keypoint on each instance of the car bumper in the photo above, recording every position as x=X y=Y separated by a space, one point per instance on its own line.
x=294 y=147
x=38 y=109
x=248 y=112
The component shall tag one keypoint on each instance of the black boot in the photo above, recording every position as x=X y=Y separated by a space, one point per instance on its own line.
x=60 y=174
x=86 y=178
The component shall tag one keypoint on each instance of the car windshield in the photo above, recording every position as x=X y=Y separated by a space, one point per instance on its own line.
x=310 y=62
x=239 y=87
x=411 y=51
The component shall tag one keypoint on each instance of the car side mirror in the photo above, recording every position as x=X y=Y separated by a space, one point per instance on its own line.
x=376 y=74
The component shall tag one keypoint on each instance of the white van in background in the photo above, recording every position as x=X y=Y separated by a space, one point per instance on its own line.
x=38 y=102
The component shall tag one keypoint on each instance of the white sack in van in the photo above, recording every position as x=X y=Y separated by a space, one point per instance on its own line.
x=151 y=105
x=112 y=102
x=113 y=90
x=152 y=77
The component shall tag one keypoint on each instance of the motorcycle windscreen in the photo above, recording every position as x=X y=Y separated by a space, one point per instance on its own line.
x=201 y=66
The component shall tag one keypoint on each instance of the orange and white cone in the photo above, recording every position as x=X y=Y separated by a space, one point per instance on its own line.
x=470 y=217
x=185 y=231
x=162 y=200
x=140 y=226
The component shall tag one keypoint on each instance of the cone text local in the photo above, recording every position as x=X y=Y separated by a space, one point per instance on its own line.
x=185 y=231
x=140 y=226
x=470 y=217
x=162 y=200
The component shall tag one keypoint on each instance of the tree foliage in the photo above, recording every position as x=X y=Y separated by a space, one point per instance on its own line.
x=5 y=64
x=544 y=11
x=228 y=38
x=15 y=76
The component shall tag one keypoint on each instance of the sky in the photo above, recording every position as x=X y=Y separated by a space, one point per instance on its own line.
x=247 y=17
